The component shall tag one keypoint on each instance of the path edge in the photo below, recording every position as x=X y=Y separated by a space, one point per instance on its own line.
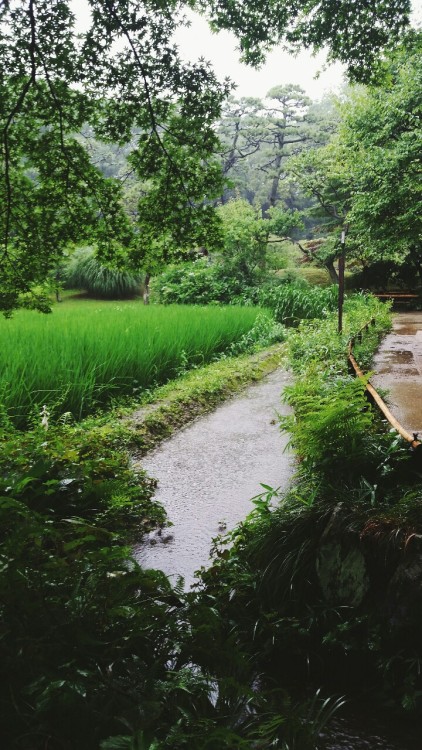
x=197 y=393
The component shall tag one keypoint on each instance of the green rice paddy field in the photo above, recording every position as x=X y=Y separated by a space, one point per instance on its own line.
x=88 y=352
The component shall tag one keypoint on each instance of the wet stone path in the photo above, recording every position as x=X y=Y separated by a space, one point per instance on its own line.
x=208 y=472
x=398 y=368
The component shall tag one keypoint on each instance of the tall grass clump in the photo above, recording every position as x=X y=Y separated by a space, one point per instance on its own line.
x=332 y=428
x=86 y=272
x=292 y=302
x=82 y=356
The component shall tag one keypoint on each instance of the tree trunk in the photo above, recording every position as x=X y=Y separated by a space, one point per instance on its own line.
x=329 y=265
x=276 y=181
x=146 y=289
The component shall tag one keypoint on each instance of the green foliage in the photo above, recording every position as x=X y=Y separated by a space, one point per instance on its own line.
x=353 y=38
x=357 y=487
x=97 y=352
x=246 y=236
x=381 y=134
x=198 y=283
x=96 y=652
x=245 y=239
x=107 y=79
x=76 y=611
x=331 y=423
x=318 y=342
x=292 y=302
x=323 y=176
x=235 y=273
x=86 y=272
x=366 y=179
x=383 y=275
x=265 y=332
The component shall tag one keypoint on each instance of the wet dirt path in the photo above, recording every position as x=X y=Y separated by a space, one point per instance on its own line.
x=398 y=367
x=208 y=473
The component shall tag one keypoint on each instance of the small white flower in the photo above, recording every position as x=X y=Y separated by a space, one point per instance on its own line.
x=45 y=414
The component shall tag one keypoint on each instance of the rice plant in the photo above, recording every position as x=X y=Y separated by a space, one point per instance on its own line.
x=86 y=353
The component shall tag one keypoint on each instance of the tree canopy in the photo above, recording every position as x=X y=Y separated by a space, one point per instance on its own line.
x=123 y=76
x=382 y=137
x=368 y=177
x=354 y=31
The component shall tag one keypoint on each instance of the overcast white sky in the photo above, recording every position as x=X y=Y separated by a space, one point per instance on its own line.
x=280 y=68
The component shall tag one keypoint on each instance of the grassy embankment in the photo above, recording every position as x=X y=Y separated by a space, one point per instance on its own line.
x=325 y=590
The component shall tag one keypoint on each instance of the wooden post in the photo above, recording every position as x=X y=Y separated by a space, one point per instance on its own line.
x=341 y=266
x=146 y=289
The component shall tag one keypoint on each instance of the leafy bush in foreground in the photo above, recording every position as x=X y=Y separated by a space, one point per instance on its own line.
x=325 y=587
x=200 y=283
x=97 y=653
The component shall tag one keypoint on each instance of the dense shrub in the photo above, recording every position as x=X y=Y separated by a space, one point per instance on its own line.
x=384 y=275
x=86 y=272
x=200 y=283
x=96 y=652
x=357 y=497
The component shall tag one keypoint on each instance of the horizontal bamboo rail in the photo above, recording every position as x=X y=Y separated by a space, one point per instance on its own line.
x=411 y=438
x=397 y=296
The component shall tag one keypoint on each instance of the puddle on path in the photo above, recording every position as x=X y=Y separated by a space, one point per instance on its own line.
x=208 y=473
x=398 y=367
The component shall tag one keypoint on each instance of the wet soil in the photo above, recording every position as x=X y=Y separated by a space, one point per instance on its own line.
x=208 y=472
x=398 y=367
x=358 y=730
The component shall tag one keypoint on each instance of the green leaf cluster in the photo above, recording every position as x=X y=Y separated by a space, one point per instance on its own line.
x=122 y=75
x=367 y=179
x=296 y=301
x=354 y=32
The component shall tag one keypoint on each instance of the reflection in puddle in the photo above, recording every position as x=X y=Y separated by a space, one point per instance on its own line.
x=398 y=368
x=402 y=356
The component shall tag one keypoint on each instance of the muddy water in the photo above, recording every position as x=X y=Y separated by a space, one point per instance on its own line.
x=398 y=367
x=208 y=472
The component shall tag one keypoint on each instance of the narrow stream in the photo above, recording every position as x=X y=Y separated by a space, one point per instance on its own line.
x=208 y=473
